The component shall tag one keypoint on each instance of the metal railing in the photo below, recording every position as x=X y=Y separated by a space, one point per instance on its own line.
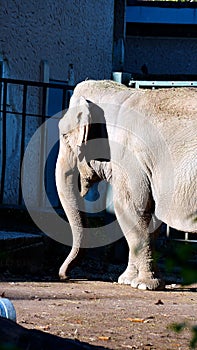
x=18 y=101
x=159 y=83
x=174 y=235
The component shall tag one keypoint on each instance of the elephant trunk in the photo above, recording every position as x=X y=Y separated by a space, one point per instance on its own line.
x=68 y=191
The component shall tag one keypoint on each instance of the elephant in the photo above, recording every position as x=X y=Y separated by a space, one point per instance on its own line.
x=143 y=142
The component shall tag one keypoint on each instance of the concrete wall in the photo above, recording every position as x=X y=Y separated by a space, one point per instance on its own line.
x=62 y=32
x=161 y=55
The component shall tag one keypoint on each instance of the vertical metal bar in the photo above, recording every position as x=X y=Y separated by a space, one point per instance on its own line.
x=4 y=136
x=68 y=97
x=186 y=236
x=42 y=148
x=168 y=231
x=22 y=148
x=44 y=100
x=64 y=99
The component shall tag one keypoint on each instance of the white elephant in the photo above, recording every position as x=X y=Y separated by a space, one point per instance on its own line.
x=144 y=143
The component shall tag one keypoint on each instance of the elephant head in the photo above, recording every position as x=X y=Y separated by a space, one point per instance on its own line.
x=74 y=130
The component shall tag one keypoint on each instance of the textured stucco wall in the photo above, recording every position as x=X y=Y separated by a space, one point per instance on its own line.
x=161 y=55
x=61 y=32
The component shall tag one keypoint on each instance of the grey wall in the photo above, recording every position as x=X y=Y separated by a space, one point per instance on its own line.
x=61 y=32
x=161 y=55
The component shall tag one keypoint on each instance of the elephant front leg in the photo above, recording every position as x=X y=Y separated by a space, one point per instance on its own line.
x=141 y=256
x=140 y=272
x=147 y=276
x=130 y=273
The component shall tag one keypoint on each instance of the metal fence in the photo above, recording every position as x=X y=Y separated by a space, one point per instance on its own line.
x=24 y=106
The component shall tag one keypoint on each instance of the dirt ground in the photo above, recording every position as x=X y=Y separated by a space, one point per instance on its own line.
x=91 y=307
x=106 y=314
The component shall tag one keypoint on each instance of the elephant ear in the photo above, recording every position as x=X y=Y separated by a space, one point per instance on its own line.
x=75 y=125
x=84 y=121
x=87 y=174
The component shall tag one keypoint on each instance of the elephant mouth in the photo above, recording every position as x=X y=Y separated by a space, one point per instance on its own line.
x=86 y=183
x=87 y=176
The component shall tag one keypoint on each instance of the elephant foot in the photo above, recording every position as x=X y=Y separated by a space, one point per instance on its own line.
x=147 y=283
x=144 y=281
x=128 y=276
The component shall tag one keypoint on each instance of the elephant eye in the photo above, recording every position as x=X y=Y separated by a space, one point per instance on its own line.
x=65 y=137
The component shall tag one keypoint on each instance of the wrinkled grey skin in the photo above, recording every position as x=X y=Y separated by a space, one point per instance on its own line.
x=147 y=154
